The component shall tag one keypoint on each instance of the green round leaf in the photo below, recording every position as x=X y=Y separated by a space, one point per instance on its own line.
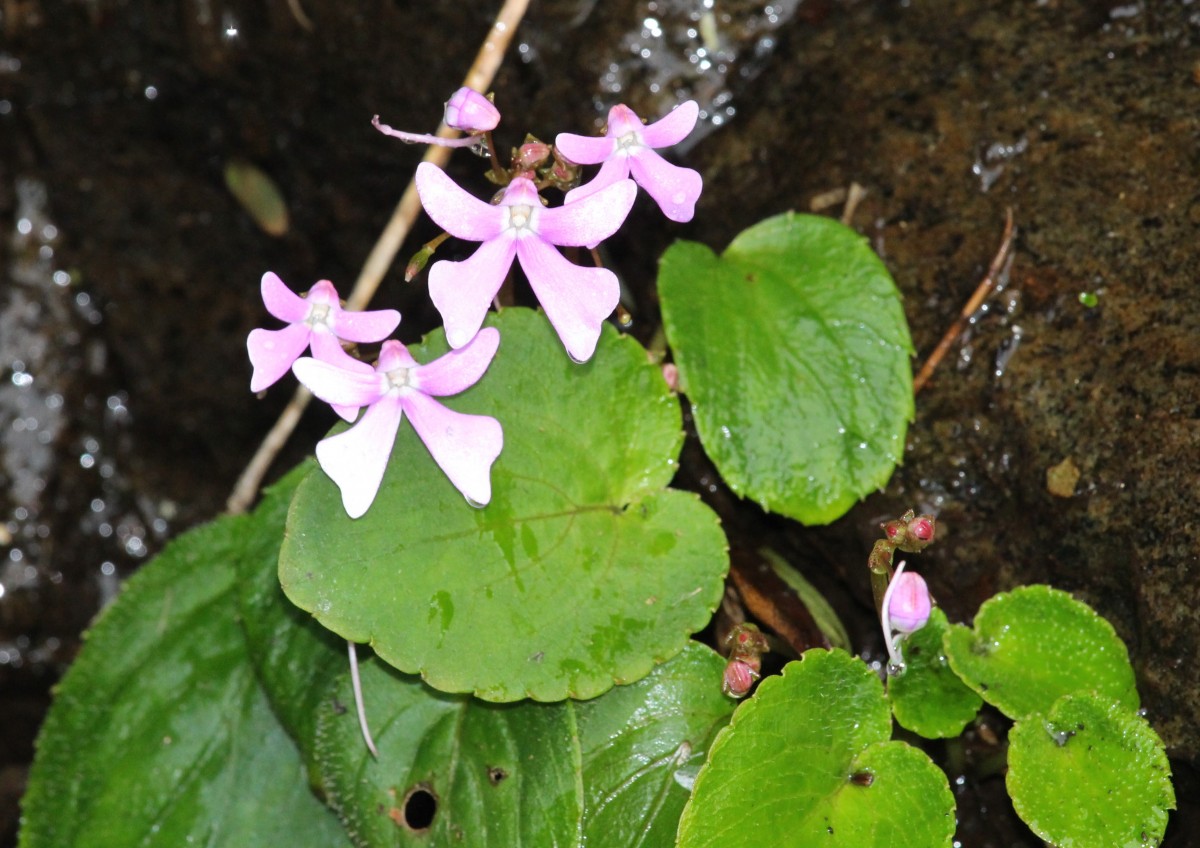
x=584 y=570
x=159 y=734
x=1093 y=772
x=807 y=761
x=606 y=772
x=794 y=351
x=1035 y=644
x=928 y=698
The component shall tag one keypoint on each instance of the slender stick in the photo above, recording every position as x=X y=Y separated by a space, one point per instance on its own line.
x=358 y=700
x=981 y=292
x=479 y=77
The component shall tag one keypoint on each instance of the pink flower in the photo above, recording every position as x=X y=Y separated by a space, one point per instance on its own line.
x=628 y=148
x=469 y=111
x=576 y=299
x=316 y=321
x=906 y=609
x=463 y=446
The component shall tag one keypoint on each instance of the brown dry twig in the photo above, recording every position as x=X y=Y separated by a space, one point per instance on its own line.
x=479 y=77
x=976 y=300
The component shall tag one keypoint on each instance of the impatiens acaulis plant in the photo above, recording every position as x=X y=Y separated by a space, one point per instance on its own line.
x=529 y=583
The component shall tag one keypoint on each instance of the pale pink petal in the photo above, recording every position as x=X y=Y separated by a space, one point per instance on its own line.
x=622 y=121
x=454 y=209
x=612 y=171
x=576 y=299
x=675 y=189
x=460 y=369
x=463 y=291
x=373 y=326
x=463 y=446
x=272 y=353
x=672 y=128
x=356 y=459
x=585 y=149
x=339 y=385
x=323 y=293
x=394 y=355
x=281 y=301
x=588 y=221
x=327 y=348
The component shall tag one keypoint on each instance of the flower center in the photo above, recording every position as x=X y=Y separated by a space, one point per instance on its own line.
x=318 y=313
x=628 y=142
x=400 y=378
x=520 y=217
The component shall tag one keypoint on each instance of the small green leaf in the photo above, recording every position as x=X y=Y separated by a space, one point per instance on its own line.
x=295 y=657
x=1091 y=773
x=806 y=761
x=1035 y=644
x=584 y=570
x=794 y=351
x=928 y=698
x=606 y=772
x=160 y=734
x=259 y=196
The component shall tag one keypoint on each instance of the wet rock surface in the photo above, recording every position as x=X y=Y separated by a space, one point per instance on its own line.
x=122 y=326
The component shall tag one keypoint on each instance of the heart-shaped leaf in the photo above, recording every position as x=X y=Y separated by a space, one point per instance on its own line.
x=584 y=570
x=928 y=697
x=806 y=761
x=1035 y=644
x=456 y=770
x=1092 y=772
x=160 y=734
x=794 y=351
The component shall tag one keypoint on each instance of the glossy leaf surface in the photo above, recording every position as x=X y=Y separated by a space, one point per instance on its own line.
x=793 y=349
x=1031 y=646
x=584 y=570
x=1092 y=772
x=160 y=734
x=456 y=770
x=928 y=698
x=807 y=761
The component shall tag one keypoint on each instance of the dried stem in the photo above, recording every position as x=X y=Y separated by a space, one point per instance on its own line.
x=981 y=292
x=479 y=77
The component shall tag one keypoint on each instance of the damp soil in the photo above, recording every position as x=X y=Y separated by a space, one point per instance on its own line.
x=128 y=278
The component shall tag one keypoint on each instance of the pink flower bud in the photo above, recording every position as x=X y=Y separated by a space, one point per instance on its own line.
x=470 y=111
x=922 y=528
x=909 y=603
x=739 y=677
x=531 y=155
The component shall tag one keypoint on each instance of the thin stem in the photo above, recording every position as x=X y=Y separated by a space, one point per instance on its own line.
x=976 y=300
x=479 y=77
x=358 y=700
x=421 y=138
x=885 y=618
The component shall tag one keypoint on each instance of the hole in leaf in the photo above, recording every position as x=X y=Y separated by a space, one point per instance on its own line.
x=420 y=806
x=496 y=775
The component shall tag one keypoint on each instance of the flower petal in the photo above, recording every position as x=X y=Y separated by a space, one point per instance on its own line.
x=341 y=386
x=585 y=149
x=272 y=353
x=373 y=326
x=464 y=446
x=281 y=301
x=463 y=291
x=460 y=369
x=576 y=300
x=613 y=170
x=454 y=209
x=588 y=221
x=356 y=459
x=326 y=347
x=675 y=189
x=672 y=128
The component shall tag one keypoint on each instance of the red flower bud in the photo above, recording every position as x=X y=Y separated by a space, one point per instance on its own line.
x=922 y=528
x=739 y=677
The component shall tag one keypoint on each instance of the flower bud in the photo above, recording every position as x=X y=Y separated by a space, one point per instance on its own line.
x=470 y=111
x=922 y=528
x=739 y=677
x=531 y=155
x=909 y=603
